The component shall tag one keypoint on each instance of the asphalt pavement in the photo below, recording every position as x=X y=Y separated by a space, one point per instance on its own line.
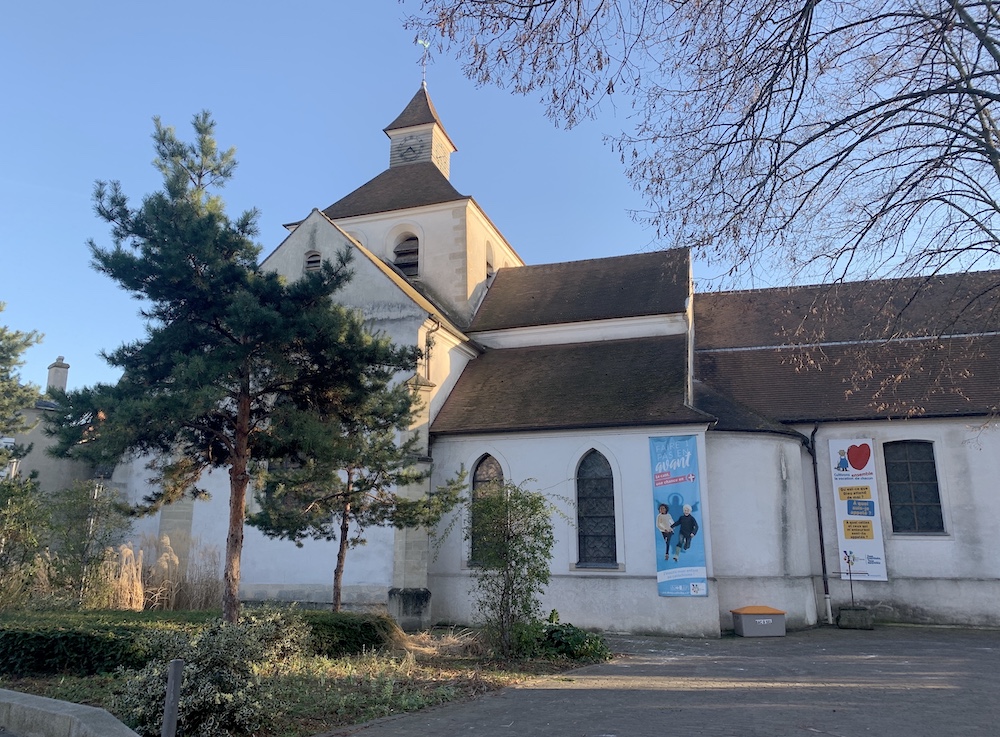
x=893 y=680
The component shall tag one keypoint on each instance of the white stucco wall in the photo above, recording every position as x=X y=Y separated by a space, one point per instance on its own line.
x=270 y=569
x=762 y=526
x=947 y=578
x=54 y=474
x=755 y=519
x=620 y=600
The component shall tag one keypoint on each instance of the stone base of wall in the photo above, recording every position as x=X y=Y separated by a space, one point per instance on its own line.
x=411 y=608
x=312 y=596
x=856 y=618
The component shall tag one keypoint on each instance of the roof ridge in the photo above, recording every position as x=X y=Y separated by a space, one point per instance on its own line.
x=887 y=280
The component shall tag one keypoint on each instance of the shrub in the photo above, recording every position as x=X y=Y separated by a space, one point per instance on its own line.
x=335 y=634
x=28 y=649
x=222 y=694
x=561 y=639
x=45 y=643
x=510 y=529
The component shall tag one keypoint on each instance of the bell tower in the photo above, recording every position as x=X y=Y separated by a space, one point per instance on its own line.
x=416 y=135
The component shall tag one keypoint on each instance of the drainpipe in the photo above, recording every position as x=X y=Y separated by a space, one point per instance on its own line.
x=811 y=447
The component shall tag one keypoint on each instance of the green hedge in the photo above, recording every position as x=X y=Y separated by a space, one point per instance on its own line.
x=85 y=643
x=38 y=651
x=335 y=634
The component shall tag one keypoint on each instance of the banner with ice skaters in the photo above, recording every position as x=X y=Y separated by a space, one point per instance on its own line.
x=677 y=516
x=859 y=524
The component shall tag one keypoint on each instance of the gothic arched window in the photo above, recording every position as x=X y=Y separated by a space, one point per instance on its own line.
x=487 y=470
x=595 y=511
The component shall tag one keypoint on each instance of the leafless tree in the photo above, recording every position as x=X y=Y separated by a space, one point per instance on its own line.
x=829 y=139
x=794 y=141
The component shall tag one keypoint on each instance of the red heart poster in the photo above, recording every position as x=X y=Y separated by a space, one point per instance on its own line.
x=859 y=455
x=856 y=505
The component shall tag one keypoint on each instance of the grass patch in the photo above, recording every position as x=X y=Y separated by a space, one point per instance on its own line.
x=316 y=694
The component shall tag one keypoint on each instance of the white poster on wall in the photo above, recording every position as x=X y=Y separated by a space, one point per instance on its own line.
x=859 y=524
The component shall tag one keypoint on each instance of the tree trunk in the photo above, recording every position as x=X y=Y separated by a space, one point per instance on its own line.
x=239 y=479
x=338 y=573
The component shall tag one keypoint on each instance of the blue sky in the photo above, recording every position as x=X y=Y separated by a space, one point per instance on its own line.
x=303 y=90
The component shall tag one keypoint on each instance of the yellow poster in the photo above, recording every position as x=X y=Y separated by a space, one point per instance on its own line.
x=854 y=492
x=858 y=529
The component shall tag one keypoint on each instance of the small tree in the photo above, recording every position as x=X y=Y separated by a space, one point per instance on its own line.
x=235 y=361
x=24 y=523
x=88 y=519
x=513 y=533
x=354 y=479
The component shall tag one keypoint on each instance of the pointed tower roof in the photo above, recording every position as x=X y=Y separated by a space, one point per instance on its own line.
x=419 y=111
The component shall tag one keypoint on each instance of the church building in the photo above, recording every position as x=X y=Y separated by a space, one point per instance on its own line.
x=792 y=448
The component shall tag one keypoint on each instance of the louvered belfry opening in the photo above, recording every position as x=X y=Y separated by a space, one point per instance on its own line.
x=407 y=255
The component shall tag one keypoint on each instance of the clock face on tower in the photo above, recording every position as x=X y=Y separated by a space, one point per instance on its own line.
x=410 y=148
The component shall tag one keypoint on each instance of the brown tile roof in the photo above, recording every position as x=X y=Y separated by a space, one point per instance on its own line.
x=944 y=304
x=855 y=351
x=933 y=378
x=733 y=416
x=418 y=111
x=624 y=286
x=605 y=384
x=398 y=188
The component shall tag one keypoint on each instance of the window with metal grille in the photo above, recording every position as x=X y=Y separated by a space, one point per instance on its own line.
x=914 y=497
x=313 y=261
x=407 y=255
x=595 y=511
x=487 y=470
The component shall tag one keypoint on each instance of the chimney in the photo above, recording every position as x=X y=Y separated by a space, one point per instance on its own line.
x=58 y=374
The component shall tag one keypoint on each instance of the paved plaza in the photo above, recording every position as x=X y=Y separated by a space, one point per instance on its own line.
x=826 y=682
x=894 y=680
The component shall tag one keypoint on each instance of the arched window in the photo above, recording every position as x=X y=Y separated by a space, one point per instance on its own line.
x=406 y=255
x=914 y=497
x=595 y=511
x=313 y=261
x=487 y=470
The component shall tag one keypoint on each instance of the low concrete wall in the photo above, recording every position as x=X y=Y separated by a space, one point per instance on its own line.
x=36 y=716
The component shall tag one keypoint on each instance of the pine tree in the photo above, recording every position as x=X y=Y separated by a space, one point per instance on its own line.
x=15 y=396
x=356 y=478
x=235 y=364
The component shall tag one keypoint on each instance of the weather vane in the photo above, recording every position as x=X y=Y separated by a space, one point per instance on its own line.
x=423 y=60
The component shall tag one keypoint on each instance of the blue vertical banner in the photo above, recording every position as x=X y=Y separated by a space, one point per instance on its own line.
x=677 y=516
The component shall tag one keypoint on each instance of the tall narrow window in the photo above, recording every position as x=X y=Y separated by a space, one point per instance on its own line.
x=595 y=511
x=487 y=470
x=914 y=497
x=406 y=255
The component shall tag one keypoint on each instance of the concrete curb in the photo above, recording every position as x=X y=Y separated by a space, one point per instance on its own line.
x=37 y=716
